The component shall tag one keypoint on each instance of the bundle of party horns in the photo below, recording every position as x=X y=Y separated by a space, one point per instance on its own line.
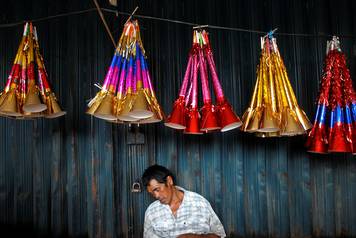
x=334 y=127
x=127 y=94
x=24 y=96
x=273 y=109
x=185 y=114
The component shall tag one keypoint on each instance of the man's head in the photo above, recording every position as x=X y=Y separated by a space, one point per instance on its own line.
x=159 y=182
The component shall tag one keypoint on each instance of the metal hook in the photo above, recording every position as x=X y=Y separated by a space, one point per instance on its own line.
x=270 y=33
x=136 y=186
x=333 y=44
x=200 y=27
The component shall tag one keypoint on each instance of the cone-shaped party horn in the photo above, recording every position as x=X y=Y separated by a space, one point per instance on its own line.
x=193 y=120
x=176 y=119
x=338 y=141
x=192 y=116
x=291 y=125
x=33 y=102
x=253 y=115
x=9 y=106
x=124 y=96
x=228 y=119
x=95 y=103
x=226 y=116
x=130 y=97
x=148 y=89
x=317 y=140
x=53 y=108
x=104 y=111
x=268 y=122
x=220 y=117
x=336 y=105
x=293 y=119
x=126 y=106
x=154 y=119
x=337 y=134
x=22 y=97
x=48 y=96
x=273 y=110
x=140 y=108
x=209 y=121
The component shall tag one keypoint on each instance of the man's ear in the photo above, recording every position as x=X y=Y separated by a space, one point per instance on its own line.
x=169 y=180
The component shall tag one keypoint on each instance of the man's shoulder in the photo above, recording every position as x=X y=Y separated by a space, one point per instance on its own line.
x=153 y=207
x=196 y=197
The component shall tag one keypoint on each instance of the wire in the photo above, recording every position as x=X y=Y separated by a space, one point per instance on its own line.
x=47 y=18
x=223 y=27
x=172 y=21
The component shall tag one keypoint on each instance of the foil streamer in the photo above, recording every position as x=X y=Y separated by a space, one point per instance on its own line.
x=210 y=117
x=24 y=95
x=127 y=91
x=334 y=124
x=273 y=109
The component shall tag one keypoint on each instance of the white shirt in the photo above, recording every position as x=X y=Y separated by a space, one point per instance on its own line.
x=194 y=215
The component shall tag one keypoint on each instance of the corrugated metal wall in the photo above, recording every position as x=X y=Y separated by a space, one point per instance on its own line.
x=72 y=176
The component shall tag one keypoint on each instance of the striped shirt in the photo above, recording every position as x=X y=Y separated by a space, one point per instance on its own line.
x=194 y=215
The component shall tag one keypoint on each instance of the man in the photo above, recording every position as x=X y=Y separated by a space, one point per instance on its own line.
x=177 y=212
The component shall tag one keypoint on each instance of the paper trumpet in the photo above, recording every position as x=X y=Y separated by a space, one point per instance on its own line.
x=127 y=94
x=334 y=124
x=273 y=109
x=185 y=114
x=24 y=96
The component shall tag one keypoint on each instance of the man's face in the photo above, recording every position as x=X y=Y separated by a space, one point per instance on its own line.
x=161 y=191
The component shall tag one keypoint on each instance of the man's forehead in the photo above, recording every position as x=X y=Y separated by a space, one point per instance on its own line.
x=154 y=182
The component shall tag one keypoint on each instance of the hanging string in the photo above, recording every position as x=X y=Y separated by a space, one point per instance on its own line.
x=20 y=23
x=104 y=22
x=172 y=21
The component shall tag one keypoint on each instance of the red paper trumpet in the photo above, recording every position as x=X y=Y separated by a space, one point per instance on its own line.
x=334 y=127
x=185 y=114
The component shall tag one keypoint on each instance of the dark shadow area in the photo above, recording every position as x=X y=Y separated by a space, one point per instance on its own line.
x=28 y=231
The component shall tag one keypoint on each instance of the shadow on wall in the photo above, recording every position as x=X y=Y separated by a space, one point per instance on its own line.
x=28 y=231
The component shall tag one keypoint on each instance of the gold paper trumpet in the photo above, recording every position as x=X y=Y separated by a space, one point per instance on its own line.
x=104 y=110
x=53 y=108
x=273 y=110
x=294 y=120
x=32 y=102
x=95 y=102
x=140 y=108
x=125 y=106
x=48 y=97
x=10 y=105
x=262 y=114
x=12 y=101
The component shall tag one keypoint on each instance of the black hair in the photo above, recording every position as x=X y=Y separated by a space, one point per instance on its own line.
x=158 y=173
